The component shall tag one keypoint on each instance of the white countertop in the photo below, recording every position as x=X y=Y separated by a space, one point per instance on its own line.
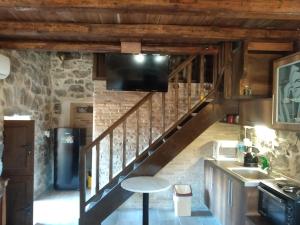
x=228 y=167
x=145 y=184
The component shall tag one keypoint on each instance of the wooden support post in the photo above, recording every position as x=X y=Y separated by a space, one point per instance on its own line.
x=97 y=167
x=189 y=81
x=220 y=61
x=163 y=111
x=82 y=178
x=228 y=70
x=124 y=145
x=137 y=133
x=215 y=70
x=176 y=86
x=150 y=121
x=201 y=73
x=111 y=142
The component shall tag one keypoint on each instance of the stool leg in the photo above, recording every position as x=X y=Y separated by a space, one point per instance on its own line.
x=145 y=208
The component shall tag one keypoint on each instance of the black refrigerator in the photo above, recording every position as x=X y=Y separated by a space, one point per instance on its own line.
x=67 y=144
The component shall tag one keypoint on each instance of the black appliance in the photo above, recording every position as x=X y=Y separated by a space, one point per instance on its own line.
x=67 y=144
x=250 y=160
x=129 y=72
x=279 y=201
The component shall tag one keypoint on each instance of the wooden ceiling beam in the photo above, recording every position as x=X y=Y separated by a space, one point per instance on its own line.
x=258 y=9
x=104 y=47
x=138 y=32
x=271 y=46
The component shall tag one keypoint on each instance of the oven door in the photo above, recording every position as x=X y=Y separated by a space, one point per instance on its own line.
x=272 y=207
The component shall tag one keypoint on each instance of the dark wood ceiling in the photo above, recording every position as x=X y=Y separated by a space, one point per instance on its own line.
x=152 y=22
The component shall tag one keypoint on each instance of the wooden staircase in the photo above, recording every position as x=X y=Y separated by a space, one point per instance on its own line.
x=172 y=137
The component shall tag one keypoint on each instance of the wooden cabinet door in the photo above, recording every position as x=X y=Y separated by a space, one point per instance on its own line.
x=18 y=167
x=208 y=190
x=238 y=206
x=228 y=198
x=220 y=194
x=235 y=203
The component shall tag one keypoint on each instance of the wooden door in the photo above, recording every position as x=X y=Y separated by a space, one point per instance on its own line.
x=18 y=161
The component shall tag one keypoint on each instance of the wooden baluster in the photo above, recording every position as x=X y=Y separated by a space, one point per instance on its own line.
x=202 y=72
x=137 y=132
x=176 y=86
x=150 y=121
x=82 y=183
x=220 y=61
x=215 y=70
x=223 y=55
x=97 y=167
x=163 y=111
x=124 y=145
x=189 y=81
x=111 y=140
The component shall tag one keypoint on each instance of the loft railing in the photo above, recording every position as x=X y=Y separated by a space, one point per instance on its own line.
x=150 y=118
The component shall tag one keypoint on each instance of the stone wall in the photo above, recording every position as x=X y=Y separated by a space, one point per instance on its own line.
x=188 y=168
x=71 y=83
x=39 y=82
x=281 y=147
x=27 y=91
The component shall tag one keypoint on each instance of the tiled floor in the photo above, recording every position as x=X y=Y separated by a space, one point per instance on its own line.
x=62 y=208
x=57 y=208
x=160 y=217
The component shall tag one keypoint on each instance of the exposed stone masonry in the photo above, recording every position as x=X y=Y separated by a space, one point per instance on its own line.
x=283 y=150
x=37 y=82
x=71 y=81
x=27 y=91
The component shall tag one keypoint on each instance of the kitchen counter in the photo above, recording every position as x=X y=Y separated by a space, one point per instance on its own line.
x=226 y=166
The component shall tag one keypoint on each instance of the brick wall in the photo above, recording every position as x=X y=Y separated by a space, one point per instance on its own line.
x=109 y=106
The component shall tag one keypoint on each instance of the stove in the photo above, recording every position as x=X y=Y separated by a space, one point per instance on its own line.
x=279 y=201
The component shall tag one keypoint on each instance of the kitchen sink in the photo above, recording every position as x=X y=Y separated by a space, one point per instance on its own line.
x=251 y=173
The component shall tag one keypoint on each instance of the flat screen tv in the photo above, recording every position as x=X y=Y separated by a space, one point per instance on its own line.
x=129 y=72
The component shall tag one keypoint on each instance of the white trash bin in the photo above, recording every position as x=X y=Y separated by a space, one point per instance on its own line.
x=182 y=197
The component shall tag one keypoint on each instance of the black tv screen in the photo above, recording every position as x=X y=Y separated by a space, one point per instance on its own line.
x=129 y=72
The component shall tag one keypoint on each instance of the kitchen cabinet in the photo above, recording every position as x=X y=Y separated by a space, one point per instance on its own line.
x=3 y=184
x=208 y=190
x=256 y=111
x=227 y=197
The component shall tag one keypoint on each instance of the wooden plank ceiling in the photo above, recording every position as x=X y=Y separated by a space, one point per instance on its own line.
x=103 y=24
